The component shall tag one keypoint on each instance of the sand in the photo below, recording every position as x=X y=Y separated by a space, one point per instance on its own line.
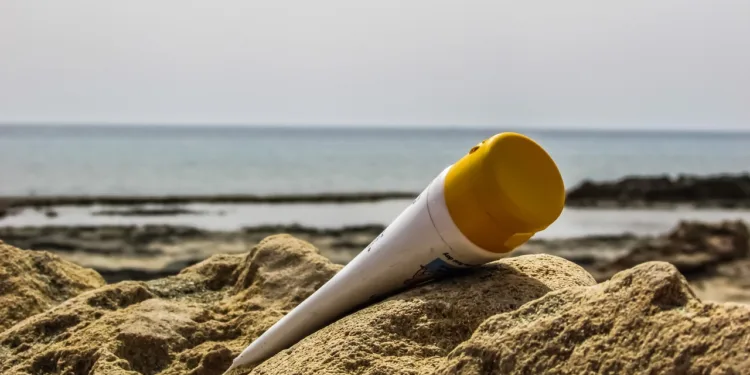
x=413 y=331
x=528 y=314
x=190 y=323
x=32 y=282
x=645 y=320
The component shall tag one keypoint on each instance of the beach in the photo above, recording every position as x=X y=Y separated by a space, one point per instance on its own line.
x=173 y=275
x=406 y=188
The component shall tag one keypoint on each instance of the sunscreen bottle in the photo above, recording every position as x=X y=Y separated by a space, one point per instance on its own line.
x=477 y=210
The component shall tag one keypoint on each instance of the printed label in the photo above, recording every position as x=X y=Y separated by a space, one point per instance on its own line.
x=436 y=267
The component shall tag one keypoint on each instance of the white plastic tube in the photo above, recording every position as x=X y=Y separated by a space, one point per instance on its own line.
x=420 y=244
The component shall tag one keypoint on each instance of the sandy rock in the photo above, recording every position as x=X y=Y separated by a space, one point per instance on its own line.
x=645 y=320
x=34 y=281
x=409 y=333
x=192 y=323
x=528 y=314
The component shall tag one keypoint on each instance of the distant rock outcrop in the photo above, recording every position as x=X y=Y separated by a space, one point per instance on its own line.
x=695 y=248
x=714 y=190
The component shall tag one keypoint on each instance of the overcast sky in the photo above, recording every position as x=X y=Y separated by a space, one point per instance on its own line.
x=574 y=63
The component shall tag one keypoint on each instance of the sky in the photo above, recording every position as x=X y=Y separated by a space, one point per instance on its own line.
x=636 y=64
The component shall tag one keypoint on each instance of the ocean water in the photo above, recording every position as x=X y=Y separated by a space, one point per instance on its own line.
x=226 y=160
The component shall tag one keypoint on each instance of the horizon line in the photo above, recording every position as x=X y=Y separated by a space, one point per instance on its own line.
x=543 y=128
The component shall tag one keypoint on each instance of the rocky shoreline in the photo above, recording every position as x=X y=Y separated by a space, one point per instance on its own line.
x=11 y=202
x=534 y=313
x=718 y=191
x=715 y=257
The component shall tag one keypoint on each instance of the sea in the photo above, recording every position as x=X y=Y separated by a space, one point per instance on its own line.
x=173 y=160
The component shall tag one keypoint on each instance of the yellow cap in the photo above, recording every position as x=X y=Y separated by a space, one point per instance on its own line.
x=503 y=191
